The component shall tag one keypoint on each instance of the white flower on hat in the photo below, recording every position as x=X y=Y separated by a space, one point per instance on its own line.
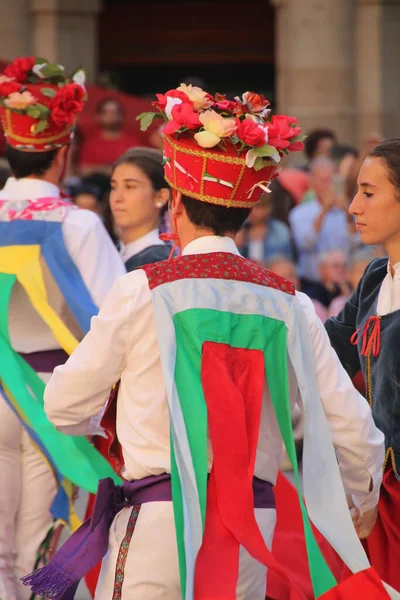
x=80 y=78
x=171 y=102
x=37 y=69
x=200 y=98
x=20 y=100
x=5 y=79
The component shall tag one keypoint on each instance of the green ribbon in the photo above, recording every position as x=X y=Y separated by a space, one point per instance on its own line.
x=192 y=328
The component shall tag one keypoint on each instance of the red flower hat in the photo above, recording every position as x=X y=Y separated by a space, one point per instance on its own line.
x=39 y=105
x=214 y=176
x=222 y=151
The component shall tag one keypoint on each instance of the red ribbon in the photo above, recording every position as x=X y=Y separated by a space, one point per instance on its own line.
x=371 y=336
x=171 y=237
x=233 y=383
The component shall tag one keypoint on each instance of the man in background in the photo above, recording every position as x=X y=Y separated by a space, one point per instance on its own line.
x=103 y=145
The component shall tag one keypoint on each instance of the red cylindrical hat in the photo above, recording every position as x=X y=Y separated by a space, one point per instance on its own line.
x=214 y=176
x=19 y=129
x=39 y=104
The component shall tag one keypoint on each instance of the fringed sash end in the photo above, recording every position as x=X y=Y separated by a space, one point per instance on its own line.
x=49 y=581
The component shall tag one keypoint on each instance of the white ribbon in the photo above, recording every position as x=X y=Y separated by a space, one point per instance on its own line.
x=261 y=185
x=182 y=170
x=216 y=180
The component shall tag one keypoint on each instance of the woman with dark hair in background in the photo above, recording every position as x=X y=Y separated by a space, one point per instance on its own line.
x=138 y=199
x=366 y=332
x=92 y=193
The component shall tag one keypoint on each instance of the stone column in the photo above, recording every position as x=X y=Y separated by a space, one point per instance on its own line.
x=378 y=67
x=315 y=61
x=65 y=31
x=15 y=29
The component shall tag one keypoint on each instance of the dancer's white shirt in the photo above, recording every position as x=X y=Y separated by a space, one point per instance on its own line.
x=92 y=251
x=122 y=344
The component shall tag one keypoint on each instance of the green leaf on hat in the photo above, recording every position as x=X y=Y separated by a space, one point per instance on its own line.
x=51 y=70
x=49 y=92
x=37 y=111
x=298 y=138
x=146 y=119
x=259 y=164
x=267 y=151
x=41 y=126
x=40 y=61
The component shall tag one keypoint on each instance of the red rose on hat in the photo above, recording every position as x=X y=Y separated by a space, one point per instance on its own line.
x=250 y=133
x=183 y=115
x=9 y=87
x=222 y=103
x=20 y=68
x=66 y=104
x=163 y=98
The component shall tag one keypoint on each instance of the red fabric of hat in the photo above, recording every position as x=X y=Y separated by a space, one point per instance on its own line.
x=214 y=176
x=39 y=104
x=19 y=128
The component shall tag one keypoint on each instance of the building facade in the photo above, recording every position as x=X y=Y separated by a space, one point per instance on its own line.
x=336 y=62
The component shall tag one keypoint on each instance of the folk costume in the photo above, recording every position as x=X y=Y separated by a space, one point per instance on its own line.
x=143 y=251
x=50 y=256
x=365 y=334
x=212 y=352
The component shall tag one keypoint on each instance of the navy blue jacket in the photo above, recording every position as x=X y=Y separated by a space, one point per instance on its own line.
x=384 y=368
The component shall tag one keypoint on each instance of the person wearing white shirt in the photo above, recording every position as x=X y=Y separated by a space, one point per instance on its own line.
x=366 y=334
x=138 y=199
x=123 y=344
x=32 y=198
x=211 y=353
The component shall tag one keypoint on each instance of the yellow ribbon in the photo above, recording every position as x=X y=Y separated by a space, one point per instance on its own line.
x=24 y=262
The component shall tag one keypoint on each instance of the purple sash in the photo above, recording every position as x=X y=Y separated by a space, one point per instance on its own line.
x=45 y=361
x=88 y=545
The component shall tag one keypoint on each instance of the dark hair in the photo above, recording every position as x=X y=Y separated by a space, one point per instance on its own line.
x=26 y=164
x=148 y=160
x=313 y=139
x=219 y=219
x=107 y=100
x=97 y=185
x=389 y=151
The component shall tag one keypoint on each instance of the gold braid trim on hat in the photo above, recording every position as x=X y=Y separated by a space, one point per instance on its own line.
x=233 y=160
x=8 y=131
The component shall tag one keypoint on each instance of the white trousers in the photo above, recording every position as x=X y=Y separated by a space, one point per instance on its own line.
x=151 y=569
x=27 y=490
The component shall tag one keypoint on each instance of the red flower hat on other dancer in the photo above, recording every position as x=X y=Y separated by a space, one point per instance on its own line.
x=39 y=104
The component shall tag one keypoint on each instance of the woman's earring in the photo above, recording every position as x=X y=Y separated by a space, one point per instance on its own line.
x=159 y=204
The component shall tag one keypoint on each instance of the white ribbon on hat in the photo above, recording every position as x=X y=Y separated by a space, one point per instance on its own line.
x=182 y=170
x=208 y=177
x=261 y=185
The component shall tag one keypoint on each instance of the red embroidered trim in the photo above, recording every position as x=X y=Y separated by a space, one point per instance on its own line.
x=123 y=553
x=215 y=265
